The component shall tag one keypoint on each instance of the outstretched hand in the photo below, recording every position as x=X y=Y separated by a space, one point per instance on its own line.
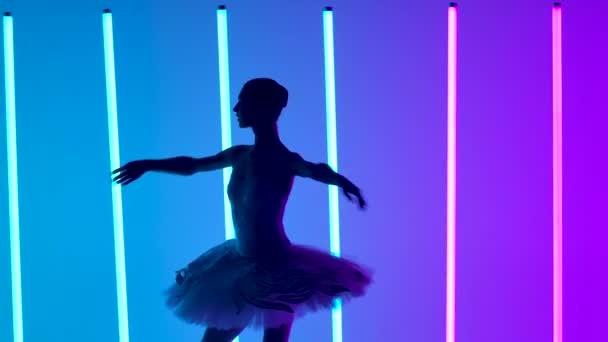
x=349 y=193
x=130 y=172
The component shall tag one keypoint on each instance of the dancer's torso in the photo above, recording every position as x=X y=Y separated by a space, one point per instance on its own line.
x=258 y=191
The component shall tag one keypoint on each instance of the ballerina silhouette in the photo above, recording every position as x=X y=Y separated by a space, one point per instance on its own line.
x=259 y=279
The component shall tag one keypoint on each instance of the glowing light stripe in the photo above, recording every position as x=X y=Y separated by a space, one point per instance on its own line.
x=557 y=173
x=119 y=249
x=332 y=154
x=13 y=190
x=222 y=42
x=332 y=144
x=451 y=177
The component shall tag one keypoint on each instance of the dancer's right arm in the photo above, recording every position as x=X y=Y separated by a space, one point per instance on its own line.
x=188 y=166
x=184 y=166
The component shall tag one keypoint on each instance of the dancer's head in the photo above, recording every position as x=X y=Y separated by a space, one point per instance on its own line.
x=260 y=102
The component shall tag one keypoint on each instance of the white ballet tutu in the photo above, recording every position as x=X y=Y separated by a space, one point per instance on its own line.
x=224 y=289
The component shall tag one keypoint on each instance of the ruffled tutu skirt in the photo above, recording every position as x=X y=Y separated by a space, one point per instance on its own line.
x=224 y=289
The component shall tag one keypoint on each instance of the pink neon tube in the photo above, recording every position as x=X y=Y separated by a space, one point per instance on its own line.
x=557 y=173
x=451 y=191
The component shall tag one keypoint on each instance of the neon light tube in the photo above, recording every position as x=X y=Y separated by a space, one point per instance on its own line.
x=119 y=249
x=332 y=145
x=13 y=190
x=332 y=154
x=557 y=174
x=451 y=177
x=222 y=43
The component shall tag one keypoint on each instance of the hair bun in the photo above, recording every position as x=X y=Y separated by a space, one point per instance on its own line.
x=267 y=90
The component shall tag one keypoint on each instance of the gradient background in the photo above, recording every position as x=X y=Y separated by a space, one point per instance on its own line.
x=391 y=101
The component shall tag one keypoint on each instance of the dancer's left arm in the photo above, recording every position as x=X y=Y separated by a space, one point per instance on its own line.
x=323 y=173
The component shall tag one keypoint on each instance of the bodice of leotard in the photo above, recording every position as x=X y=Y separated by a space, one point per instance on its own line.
x=258 y=191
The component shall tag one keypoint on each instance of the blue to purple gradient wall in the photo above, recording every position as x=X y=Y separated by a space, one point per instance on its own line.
x=505 y=197
x=585 y=171
x=391 y=76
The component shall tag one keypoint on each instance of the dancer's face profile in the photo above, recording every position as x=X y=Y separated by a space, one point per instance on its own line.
x=248 y=112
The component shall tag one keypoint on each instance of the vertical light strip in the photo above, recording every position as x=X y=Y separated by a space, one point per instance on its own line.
x=222 y=44
x=332 y=144
x=451 y=176
x=332 y=154
x=13 y=191
x=557 y=174
x=119 y=249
